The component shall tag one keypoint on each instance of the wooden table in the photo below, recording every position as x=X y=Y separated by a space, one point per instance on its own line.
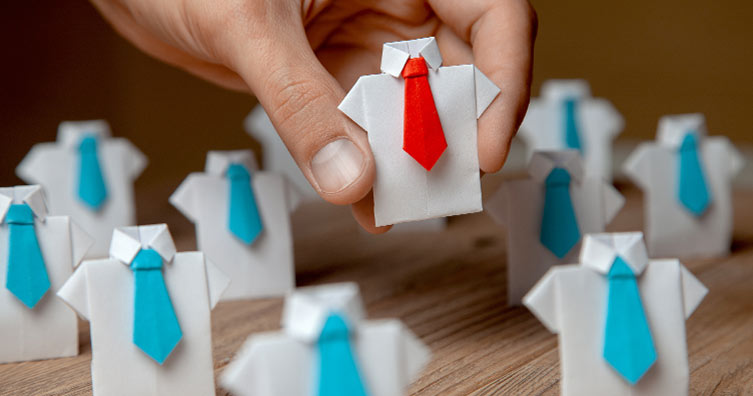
x=449 y=288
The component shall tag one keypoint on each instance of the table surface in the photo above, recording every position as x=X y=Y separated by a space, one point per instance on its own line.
x=449 y=288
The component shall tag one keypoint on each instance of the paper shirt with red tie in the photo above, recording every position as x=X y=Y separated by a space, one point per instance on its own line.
x=418 y=176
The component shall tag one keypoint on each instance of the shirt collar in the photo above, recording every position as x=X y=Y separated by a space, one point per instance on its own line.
x=128 y=241
x=542 y=163
x=672 y=129
x=70 y=133
x=558 y=90
x=218 y=161
x=30 y=195
x=395 y=54
x=600 y=250
x=307 y=308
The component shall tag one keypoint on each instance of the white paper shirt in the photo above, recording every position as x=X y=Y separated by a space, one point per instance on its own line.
x=518 y=205
x=599 y=122
x=404 y=190
x=101 y=291
x=571 y=301
x=263 y=269
x=55 y=166
x=50 y=330
x=671 y=230
x=285 y=363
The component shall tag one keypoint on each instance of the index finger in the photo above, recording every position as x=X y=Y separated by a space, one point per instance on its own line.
x=502 y=34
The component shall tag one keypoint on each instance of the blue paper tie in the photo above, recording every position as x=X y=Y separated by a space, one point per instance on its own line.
x=559 y=226
x=91 y=184
x=571 y=128
x=628 y=345
x=155 y=327
x=692 y=190
x=27 y=276
x=244 y=220
x=338 y=371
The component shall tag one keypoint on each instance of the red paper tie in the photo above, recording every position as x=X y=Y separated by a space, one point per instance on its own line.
x=423 y=138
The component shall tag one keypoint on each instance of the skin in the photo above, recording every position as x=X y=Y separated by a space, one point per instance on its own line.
x=299 y=57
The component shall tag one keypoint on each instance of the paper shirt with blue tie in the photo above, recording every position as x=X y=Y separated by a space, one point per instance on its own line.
x=35 y=324
x=566 y=116
x=541 y=232
x=327 y=348
x=620 y=318
x=88 y=175
x=263 y=267
x=686 y=177
x=131 y=326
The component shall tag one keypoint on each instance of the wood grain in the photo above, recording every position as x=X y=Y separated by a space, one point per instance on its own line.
x=449 y=288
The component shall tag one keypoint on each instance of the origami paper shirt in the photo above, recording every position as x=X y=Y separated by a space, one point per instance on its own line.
x=55 y=166
x=571 y=300
x=265 y=267
x=388 y=355
x=671 y=229
x=594 y=121
x=102 y=292
x=50 y=329
x=518 y=205
x=404 y=190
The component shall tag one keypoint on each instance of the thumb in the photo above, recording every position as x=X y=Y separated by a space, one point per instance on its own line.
x=301 y=98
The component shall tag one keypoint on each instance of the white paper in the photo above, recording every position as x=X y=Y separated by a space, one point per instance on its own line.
x=266 y=267
x=55 y=166
x=284 y=363
x=101 y=291
x=404 y=190
x=598 y=120
x=518 y=206
x=50 y=330
x=671 y=230
x=571 y=301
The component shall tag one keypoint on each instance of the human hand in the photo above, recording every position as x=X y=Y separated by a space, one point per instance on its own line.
x=297 y=56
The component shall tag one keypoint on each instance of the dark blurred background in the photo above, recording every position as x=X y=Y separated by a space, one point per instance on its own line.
x=63 y=62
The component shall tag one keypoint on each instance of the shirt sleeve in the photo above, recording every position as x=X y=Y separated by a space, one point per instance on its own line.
x=184 y=198
x=416 y=355
x=293 y=195
x=533 y=122
x=81 y=242
x=31 y=168
x=542 y=300
x=497 y=205
x=636 y=167
x=486 y=91
x=693 y=291
x=75 y=291
x=736 y=160
x=217 y=282
x=354 y=105
x=136 y=161
x=613 y=202
x=605 y=116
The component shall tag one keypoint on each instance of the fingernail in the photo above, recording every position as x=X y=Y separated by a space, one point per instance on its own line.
x=337 y=165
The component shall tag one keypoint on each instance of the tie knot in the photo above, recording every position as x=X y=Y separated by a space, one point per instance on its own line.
x=88 y=144
x=335 y=329
x=689 y=142
x=620 y=270
x=19 y=214
x=146 y=259
x=237 y=172
x=415 y=67
x=558 y=177
x=570 y=104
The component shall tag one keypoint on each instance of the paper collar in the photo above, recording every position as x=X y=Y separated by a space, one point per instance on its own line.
x=558 y=90
x=218 y=161
x=600 y=250
x=30 y=195
x=673 y=128
x=70 y=133
x=128 y=241
x=307 y=308
x=542 y=163
x=395 y=54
